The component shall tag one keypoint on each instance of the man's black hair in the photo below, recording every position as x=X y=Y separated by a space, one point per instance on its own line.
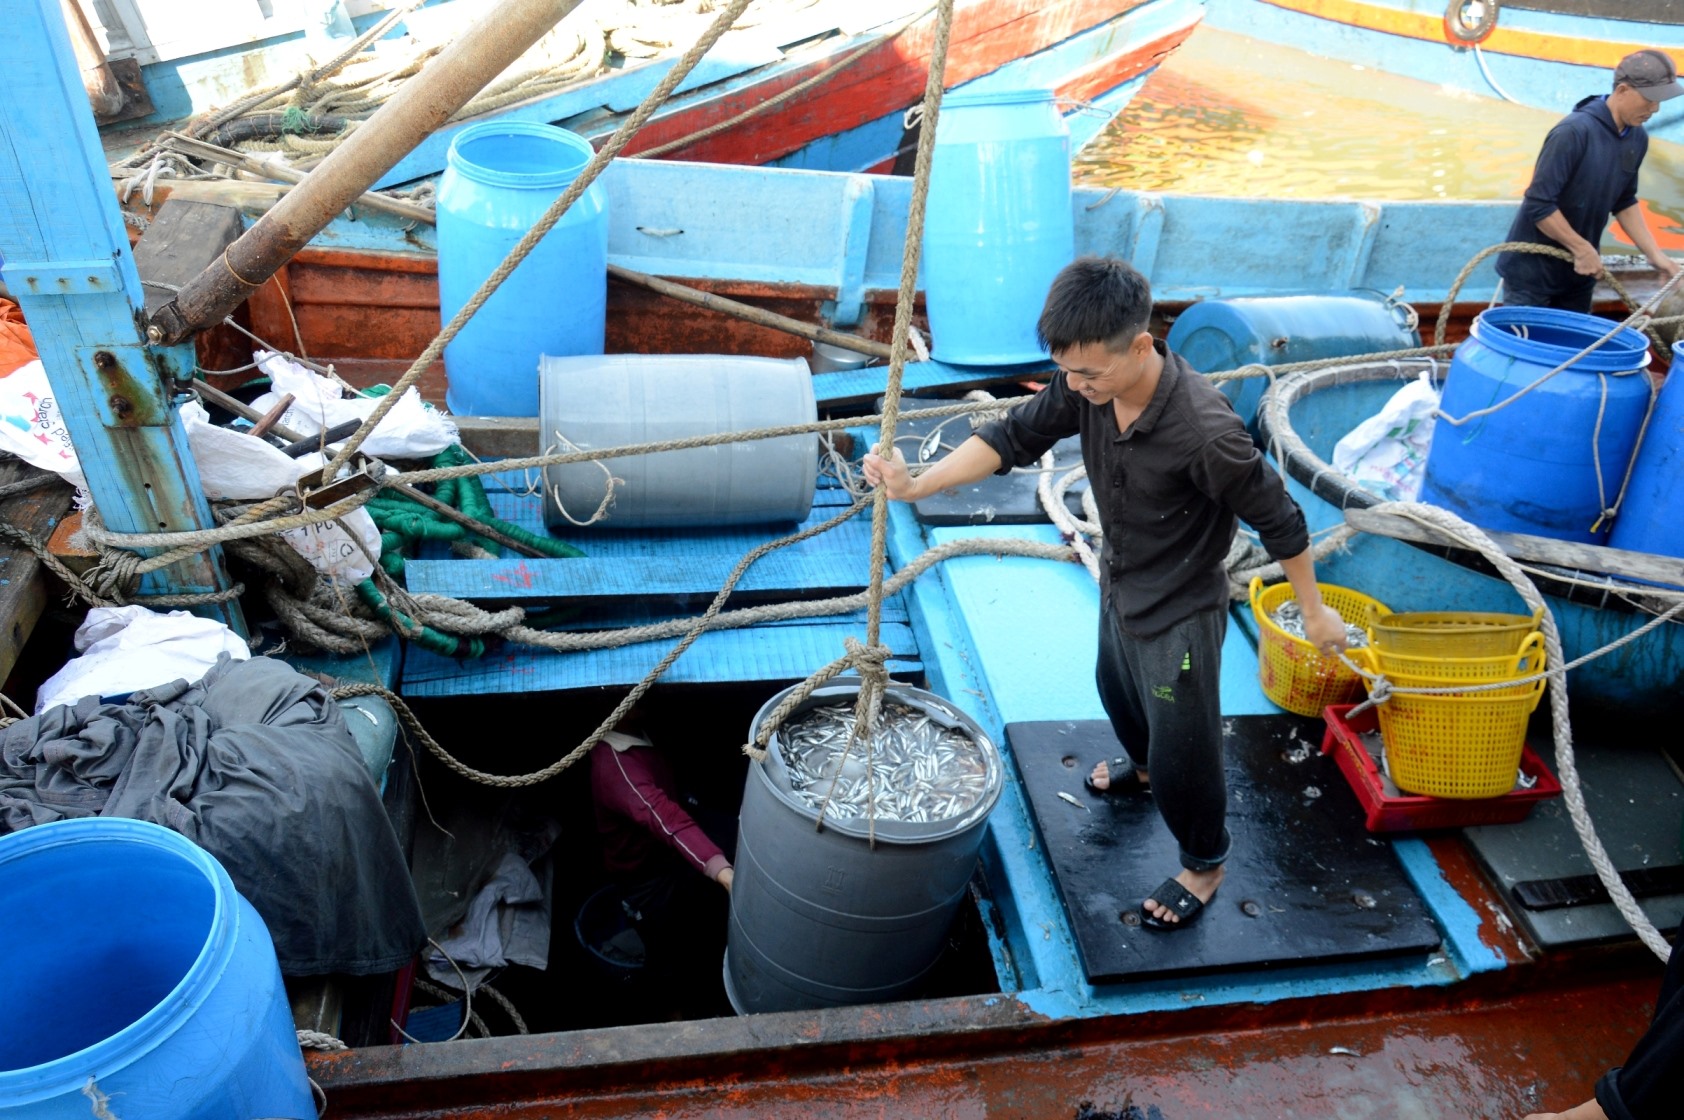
x=1095 y=299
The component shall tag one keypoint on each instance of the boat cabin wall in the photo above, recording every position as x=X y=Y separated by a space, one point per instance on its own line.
x=821 y=246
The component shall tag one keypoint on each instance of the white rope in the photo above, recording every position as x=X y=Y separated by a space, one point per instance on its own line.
x=1571 y=790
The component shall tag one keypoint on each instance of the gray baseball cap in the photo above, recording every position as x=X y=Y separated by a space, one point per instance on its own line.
x=1651 y=73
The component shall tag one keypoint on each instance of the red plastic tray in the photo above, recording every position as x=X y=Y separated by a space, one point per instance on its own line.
x=1410 y=812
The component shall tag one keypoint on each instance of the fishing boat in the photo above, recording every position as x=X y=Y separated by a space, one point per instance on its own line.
x=1545 y=53
x=818 y=85
x=1393 y=973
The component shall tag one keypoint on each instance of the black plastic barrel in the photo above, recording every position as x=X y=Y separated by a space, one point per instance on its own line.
x=821 y=918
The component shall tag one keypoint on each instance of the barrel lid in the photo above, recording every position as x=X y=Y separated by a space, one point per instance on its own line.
x=1549 y=336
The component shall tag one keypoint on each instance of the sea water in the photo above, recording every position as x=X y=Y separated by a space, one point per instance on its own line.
x=1234 y=117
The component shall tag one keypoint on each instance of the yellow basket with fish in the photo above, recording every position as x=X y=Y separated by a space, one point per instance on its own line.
x=1295 y=674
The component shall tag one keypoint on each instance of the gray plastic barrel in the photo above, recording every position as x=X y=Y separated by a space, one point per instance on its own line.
x=591 y=402
x=823 y=919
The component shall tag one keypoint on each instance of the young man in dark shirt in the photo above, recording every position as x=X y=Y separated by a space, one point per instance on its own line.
x=1586 y=171
x=1171 y=467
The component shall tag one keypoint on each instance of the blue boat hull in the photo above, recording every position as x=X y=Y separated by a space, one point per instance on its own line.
x=1532 y=55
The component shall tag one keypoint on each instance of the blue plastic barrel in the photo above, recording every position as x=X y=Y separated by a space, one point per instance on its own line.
x=139 y=977
x=500 y=178
x=1533 y=465
x=1651 y=518
x=1216 y=335
x=998 y=225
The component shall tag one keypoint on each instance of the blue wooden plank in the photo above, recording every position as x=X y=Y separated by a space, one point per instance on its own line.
x=618 y=90
x=808 y=575
x=380 y=664
x=627 y=614
x=722 y=657
x=853 y=535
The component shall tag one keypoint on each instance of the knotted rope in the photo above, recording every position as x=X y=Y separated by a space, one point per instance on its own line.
x=869 y=659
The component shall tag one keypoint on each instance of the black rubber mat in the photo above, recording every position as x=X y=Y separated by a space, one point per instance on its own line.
x=1008 y=499
x=1305 y=884
x=1636 y=802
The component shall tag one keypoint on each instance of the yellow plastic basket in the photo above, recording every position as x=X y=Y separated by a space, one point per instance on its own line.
x=1454 y=745
x=1450 y=633
x=1294 y=673
x=1527 y=660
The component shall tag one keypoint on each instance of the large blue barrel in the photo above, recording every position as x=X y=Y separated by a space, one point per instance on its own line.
x=1651 y=518
x=1533 y=465
x=500 y=178
x=998 y=225
x=826 y=917
x=593 y=403
x=139 y=976
x=1216 y=335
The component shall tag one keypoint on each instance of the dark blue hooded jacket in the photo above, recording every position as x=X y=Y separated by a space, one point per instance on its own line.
x=1588 y=171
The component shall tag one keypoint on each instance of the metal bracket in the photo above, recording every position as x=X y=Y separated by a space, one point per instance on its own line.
x=366 y=477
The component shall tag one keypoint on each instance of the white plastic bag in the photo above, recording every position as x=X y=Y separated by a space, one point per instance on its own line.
x=411 y=430
x=32 y=425
x=233 y=464
x=1387 y=453
x=125 y=649
x=238 y=466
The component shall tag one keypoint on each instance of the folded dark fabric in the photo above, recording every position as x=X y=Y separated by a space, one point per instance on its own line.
x=255 y=764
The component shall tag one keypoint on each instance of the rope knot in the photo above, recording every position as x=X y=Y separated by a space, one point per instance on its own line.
x=1380 y=690
x=118 y=574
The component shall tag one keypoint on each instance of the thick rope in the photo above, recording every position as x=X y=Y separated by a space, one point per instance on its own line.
x=1443 y=326
x=598 y=163
x=874 y=677
x=1571 y=790
x=250 y=523
x=320 y=1040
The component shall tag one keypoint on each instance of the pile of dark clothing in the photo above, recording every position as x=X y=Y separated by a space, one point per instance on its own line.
x=255 y=764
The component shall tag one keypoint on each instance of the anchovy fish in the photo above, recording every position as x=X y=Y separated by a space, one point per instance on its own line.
x=913 y=769
x=1289 y=616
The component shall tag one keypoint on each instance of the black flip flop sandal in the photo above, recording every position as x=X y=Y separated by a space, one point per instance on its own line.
x=1177 y=899
x=1124 y=778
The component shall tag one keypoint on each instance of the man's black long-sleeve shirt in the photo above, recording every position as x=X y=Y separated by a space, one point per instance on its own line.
x=1587 y=169
x=1168 y=490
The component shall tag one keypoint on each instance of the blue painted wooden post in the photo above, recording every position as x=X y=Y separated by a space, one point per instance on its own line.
x=69 y=267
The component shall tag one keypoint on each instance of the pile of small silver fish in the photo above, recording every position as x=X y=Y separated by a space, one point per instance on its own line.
x=1289 y=616
x=916 y=771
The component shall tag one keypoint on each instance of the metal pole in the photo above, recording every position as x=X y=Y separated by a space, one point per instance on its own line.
x=423 y=103
x=69 y=267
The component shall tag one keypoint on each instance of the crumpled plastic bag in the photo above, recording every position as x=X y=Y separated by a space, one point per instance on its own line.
x=1387 y=453
x=411 y=430
x=32 y=424
x=237 y=466
x=126 y=649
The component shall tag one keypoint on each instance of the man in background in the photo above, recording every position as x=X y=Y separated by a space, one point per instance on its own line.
x=1586 y=171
